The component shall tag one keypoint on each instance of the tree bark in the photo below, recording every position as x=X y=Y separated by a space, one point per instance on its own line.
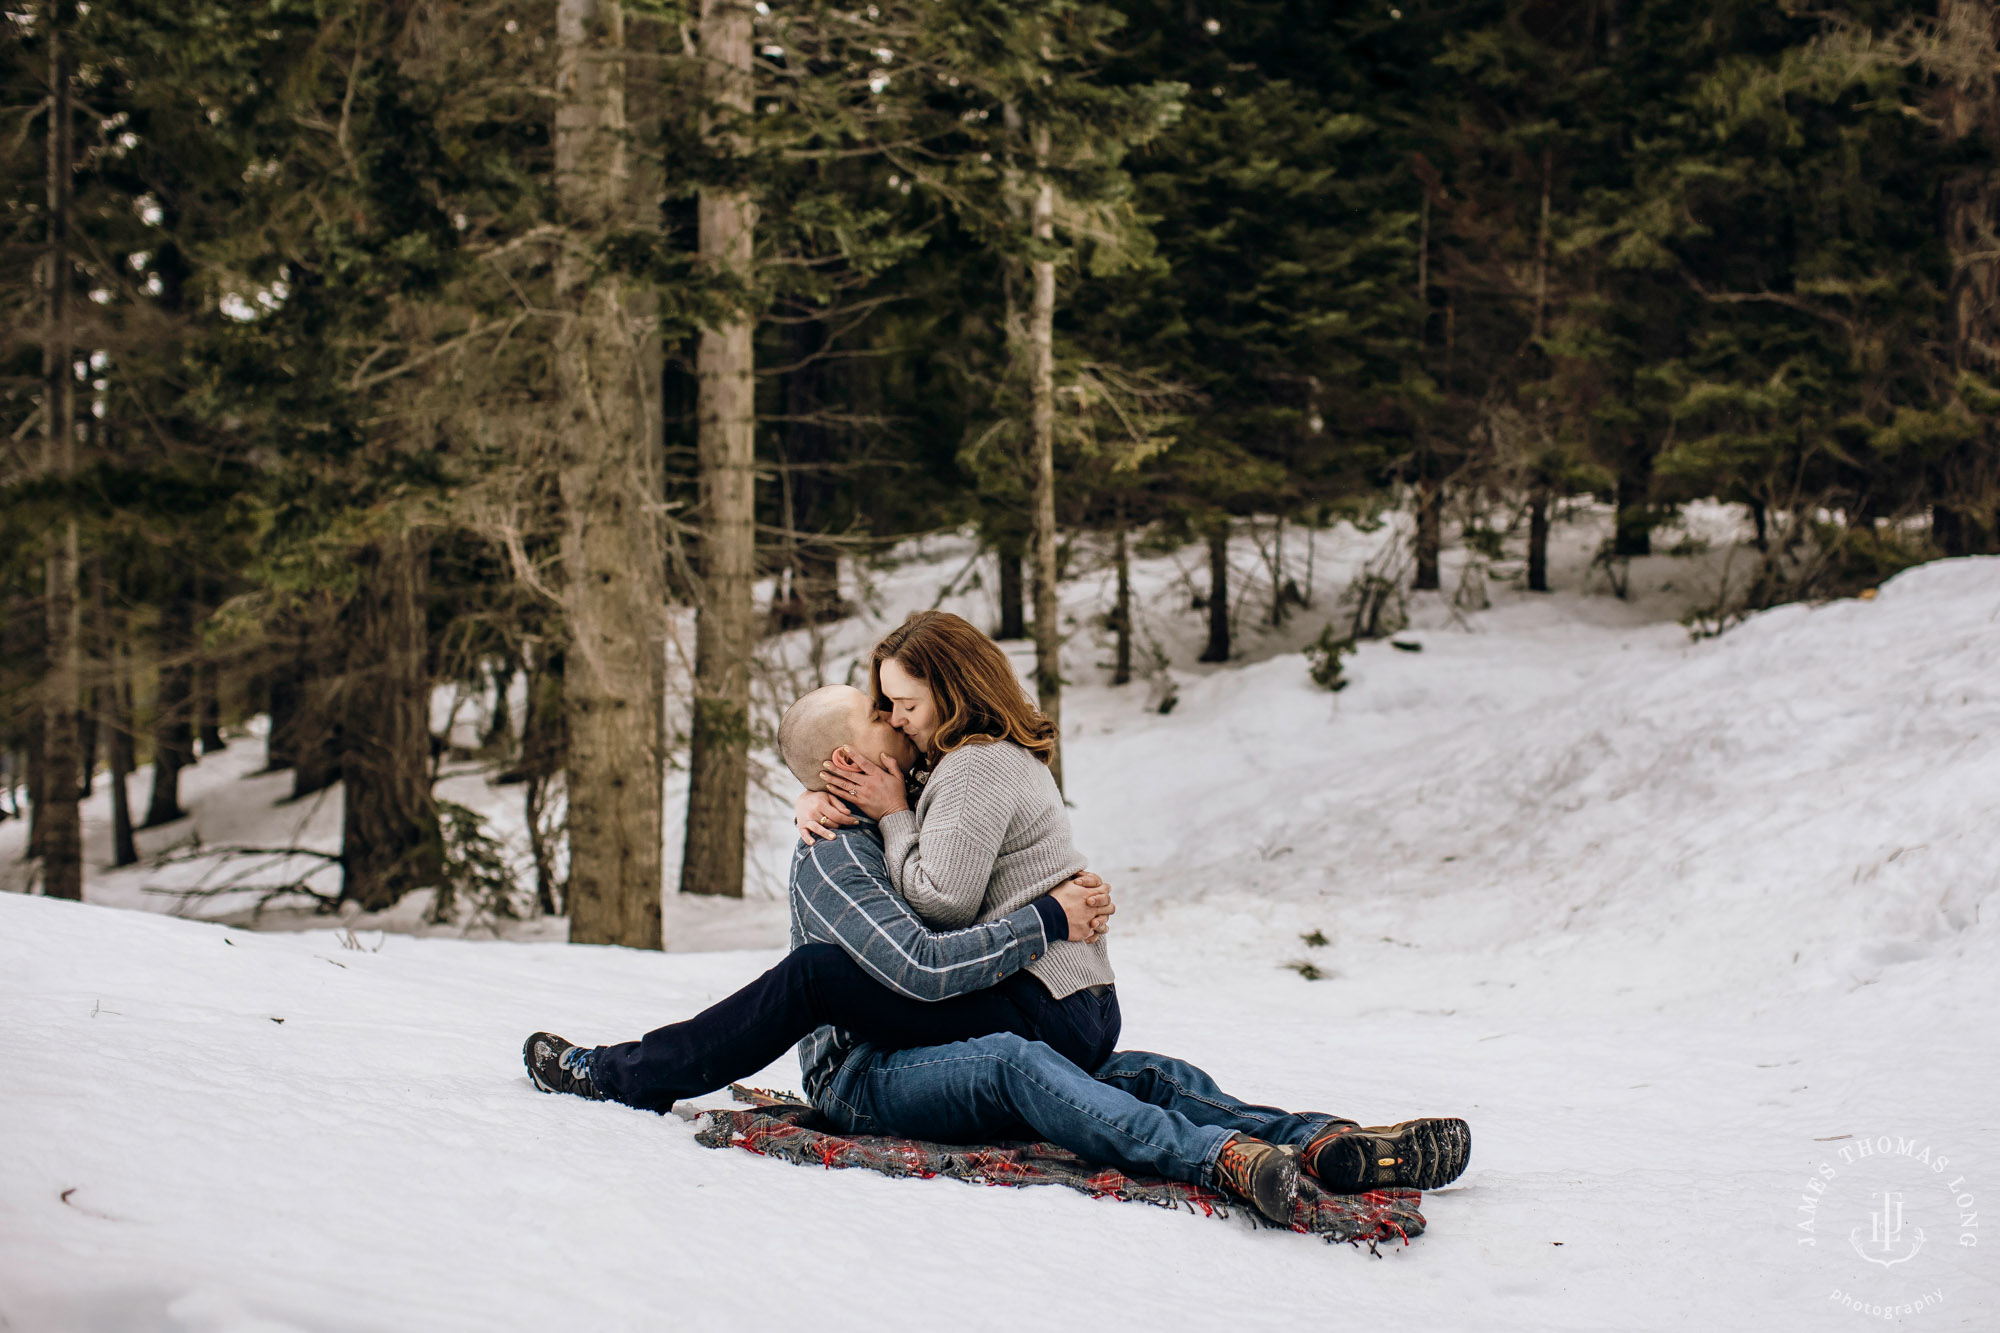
x=1218 y=594
x=812 y=596
x=208 y=689
x=1538 y=539
x=173 y=730
x=35 y=770
x=1042 y=420
x=541 y=760
x=58 y=820
x=315 y=733
x=390 y=842
x=1430 y=534
x=87 y=729
x=499 y=735
x=1121 y=609
x=1970 y=218
x=1632 y=527
x=114 y=705
x=719 y=748
x=607 y=375
x=1013 y=612
x=124 y=847
x=285 y=695
x=1277 y=568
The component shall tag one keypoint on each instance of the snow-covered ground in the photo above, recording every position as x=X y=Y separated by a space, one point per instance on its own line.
x=1674 y=924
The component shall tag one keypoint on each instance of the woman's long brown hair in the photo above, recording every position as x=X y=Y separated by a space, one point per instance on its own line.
x=979 y=698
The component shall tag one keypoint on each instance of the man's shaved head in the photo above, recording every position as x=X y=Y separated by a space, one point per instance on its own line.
x=816 y=725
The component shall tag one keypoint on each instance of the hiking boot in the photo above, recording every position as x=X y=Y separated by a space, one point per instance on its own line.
x=1262 y=1174
x=1417 y=1154
x=555 y=1065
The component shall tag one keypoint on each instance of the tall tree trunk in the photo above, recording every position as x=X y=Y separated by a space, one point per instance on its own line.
x=1218 y=593
x=719 y=743
x=1277 y=568
x=813 y=596
x=285 y=682
x=1539 y=489
x=315 y=733
x=124 y=848
x=1042 y=420
x=499 y=735
x=1632 y=526
x=1430 y=533
x=1013 y=612
x=1968 y=31
x=208 y=690
x=173 y=729
x=35 y=771
x=1121 y=610
x=1969 y=109
x=114 y=696
x=390 y=842
x=1538 y=538
x=541 y=761
x=607 y=376
x=87 y=728
x=58 y=820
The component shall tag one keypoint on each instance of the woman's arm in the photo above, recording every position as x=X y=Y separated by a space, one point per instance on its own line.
x=942 y=870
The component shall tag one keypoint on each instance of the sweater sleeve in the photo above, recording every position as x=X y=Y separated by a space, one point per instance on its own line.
x=841 y=894
x=942 y=867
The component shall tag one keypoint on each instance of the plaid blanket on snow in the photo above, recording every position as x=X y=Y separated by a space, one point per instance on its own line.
x=779 y=1125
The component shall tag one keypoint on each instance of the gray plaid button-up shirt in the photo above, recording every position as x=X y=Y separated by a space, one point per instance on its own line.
x=841 y=894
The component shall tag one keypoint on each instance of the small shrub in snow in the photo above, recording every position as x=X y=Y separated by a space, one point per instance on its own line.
x=1378 y=606
x=1471 y=594
x=1486 y=541
x=479 y=882
x=1324 y=654
x=1161 y=693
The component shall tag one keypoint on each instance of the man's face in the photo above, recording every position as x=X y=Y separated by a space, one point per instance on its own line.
x=875 y=737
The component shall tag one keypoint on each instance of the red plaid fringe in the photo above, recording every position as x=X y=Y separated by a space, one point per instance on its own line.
x=782 y=1126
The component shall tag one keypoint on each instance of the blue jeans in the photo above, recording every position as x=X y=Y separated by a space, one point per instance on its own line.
x=1147 y=1115
x=817 y=984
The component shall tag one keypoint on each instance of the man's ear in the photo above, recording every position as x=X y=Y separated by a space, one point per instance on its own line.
x=842 y=750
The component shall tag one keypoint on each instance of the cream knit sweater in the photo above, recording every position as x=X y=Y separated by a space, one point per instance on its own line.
x=990 y=835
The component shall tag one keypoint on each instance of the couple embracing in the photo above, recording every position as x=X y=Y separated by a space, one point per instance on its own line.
x=948 y=978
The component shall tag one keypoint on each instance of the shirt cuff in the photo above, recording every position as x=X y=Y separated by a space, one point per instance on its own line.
x=1055 y=921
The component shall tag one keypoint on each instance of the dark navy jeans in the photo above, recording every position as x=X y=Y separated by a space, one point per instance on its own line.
x=1144 y=1114
x=819 y=984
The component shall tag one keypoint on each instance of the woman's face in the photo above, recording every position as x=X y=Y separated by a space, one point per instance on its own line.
x=912 y=706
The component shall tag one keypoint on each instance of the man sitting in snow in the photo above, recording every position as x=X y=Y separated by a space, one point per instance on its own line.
x=924 y=1034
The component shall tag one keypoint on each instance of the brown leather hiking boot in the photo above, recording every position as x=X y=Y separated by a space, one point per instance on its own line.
x=1417 y=1154
x=1262 y=1174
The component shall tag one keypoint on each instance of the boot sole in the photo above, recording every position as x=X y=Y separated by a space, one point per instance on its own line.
x=1432 y=1152
x=528 y=1061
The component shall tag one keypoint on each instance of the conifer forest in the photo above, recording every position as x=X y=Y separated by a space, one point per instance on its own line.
x=567 y=351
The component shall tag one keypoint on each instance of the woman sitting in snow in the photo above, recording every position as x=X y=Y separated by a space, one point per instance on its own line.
x=989 y=834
